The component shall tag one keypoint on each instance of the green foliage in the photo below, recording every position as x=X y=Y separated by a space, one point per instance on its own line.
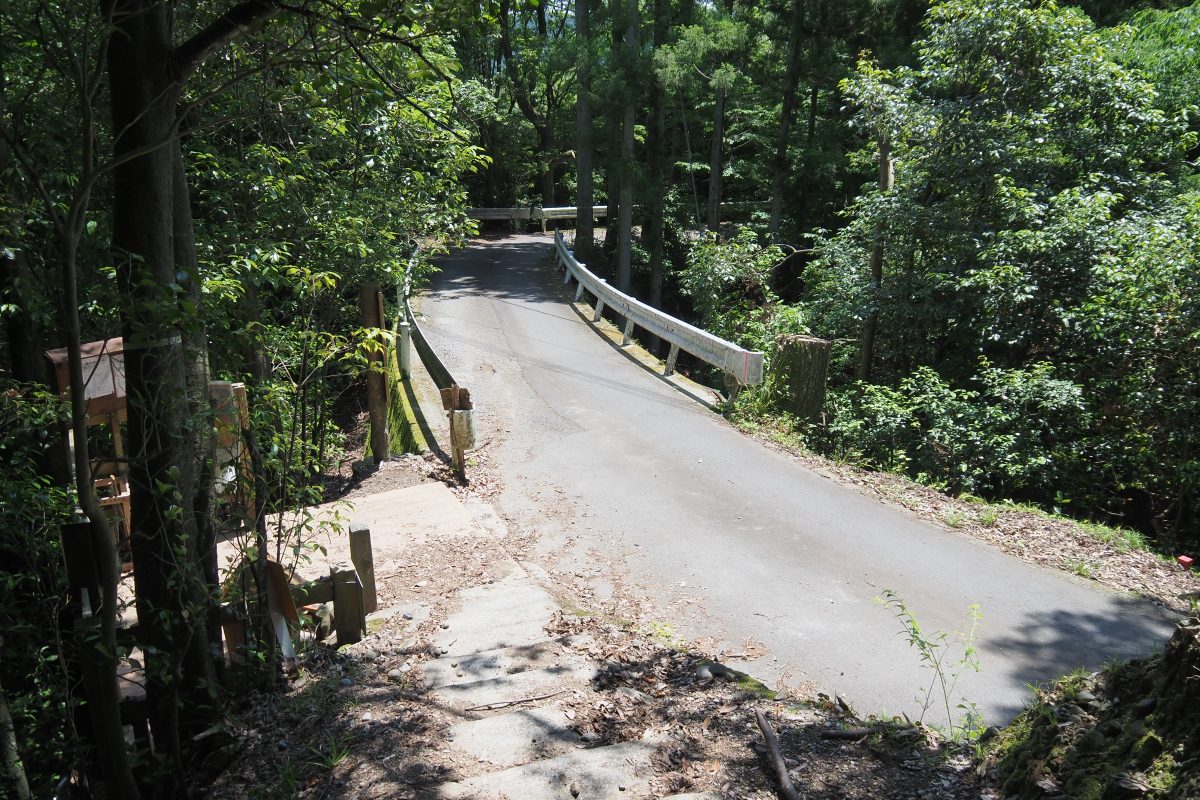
x=1012 y=432
x=1036 y=221
x=947 y=656
x=729 y=285
x=32 y=586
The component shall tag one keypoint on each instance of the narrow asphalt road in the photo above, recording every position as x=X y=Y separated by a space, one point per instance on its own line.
x=601 y=459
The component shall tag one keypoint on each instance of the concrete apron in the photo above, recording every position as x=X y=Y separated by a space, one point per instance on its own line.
x=507 y=678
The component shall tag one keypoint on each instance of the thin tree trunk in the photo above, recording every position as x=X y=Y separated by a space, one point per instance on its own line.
x=786 y=117
x=625 y=233
x=886 y=178
x=103 y=696
x=715 y=165
x=195 y=342
x=584 y=135
x=10 y=750
x=657 y=167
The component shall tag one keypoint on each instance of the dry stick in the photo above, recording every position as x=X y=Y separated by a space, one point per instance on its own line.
x=494 y=706
x=781 y=771
x=847 y=733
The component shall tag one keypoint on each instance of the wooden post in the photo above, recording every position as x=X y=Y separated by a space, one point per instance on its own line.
x=364 y=563
x=456 y=398
x=349 y=620
x=370 y=305
x=672 y=357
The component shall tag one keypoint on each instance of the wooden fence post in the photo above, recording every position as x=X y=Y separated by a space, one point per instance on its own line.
x=364 y=563
x=349 y=620
x=370 y=302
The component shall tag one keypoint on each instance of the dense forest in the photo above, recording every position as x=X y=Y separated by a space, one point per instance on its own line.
x=990 y=209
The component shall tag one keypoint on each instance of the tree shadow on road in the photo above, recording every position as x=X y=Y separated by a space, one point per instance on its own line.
x=1054 y=642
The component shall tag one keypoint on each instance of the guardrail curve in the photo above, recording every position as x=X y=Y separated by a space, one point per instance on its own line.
x=744 y=366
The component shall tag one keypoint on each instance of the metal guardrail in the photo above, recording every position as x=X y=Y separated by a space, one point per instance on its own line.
x=437 y=370
x=743 y=366
x=533 y=212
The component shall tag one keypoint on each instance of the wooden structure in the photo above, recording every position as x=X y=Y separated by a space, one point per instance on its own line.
x=105 y=403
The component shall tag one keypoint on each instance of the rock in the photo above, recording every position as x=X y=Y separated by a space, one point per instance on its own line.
x=369 y=655
x=1130 y=785
x=407 y=616
x=346 y=682
x=1085 y=698
x=1090 y=742
x=633 y=694
x=1111 y=729
x=395 y=674
x=1144 y=706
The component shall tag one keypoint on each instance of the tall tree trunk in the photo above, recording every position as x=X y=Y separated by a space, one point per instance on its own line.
x=625 y=233
x=786 y=117
x=870 y=326
x=656 y=152
x=584 y=145
x=715 y=165
x=172 y=596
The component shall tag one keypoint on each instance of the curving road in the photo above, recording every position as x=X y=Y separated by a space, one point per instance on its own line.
x=602 y=459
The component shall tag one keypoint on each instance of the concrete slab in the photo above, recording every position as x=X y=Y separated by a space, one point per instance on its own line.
x=508 y=613
x=616 y=772
x=398 y=519
x=454 y=669
x=517 y=686
x=510 y=740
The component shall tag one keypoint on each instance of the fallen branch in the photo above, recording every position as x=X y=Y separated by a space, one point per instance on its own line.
x=859 y=732
x=507 y=703
x=847 y=733
x=781 y=771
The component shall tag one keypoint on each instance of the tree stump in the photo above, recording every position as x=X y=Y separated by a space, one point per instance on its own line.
x=798 y=374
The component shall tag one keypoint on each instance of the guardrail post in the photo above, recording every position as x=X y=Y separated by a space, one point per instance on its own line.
x=566 y=276
x=405 y=350
x=599 y=310
x=627 y=334
x=671 y=358
x=579 y=293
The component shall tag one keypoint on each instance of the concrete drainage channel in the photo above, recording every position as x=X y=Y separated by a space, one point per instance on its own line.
x=499 y=670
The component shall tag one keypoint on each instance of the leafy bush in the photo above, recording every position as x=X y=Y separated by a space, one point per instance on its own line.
x=729 y=284
x=1015 y=432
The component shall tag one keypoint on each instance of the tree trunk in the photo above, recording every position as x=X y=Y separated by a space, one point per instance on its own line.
x=786 y=117
x=13 y=768
x=798 y=375
x=625 y=232
x=172 y=597
x=886 y=177
x=585 y=193
x=657 y=162
x=715 y=165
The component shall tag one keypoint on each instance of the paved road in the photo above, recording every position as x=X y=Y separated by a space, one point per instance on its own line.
x=600 y=457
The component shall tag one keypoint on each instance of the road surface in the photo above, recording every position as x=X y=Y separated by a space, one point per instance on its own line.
x=602 y=460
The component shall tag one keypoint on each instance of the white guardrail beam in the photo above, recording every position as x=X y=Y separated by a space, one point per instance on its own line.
x=743 y=366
